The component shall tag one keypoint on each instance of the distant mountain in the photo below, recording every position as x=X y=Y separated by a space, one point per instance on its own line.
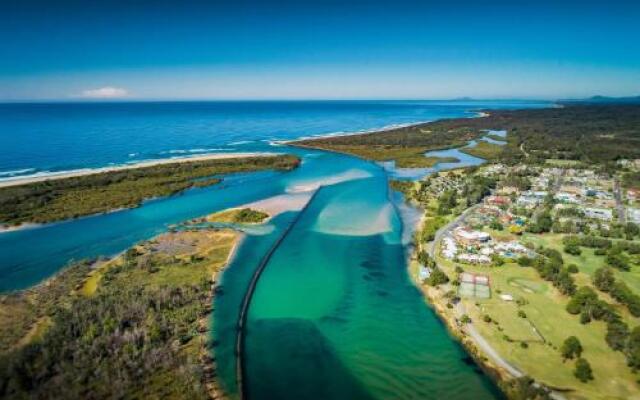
x=603 y=100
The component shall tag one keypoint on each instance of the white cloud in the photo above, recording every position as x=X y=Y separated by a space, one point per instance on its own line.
x=107 y=92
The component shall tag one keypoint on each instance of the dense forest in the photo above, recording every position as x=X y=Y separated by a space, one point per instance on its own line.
x=60 y=199
x=139 y=333
x=589 y=133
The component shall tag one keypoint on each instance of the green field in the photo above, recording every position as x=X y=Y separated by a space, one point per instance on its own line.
x=545 y=310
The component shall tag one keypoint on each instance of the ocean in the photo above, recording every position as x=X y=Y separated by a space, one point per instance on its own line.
x=45 y=138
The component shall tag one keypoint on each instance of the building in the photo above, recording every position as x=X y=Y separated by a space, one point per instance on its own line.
x=566 y=197
x=604 y=214
x=497 y=200
x=474 y=258
x=468 y=237
x=449 y=248
x=634 y=215
x=507 y=190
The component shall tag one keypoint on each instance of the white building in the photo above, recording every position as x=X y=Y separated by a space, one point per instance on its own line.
x=634 y=215
x=474 y=258
x=449 y=248
x=469 y=237
x=604 y=214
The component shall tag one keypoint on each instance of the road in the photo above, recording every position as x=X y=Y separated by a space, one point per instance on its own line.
x=448 y=227
x=523 y=150
x=617 y=192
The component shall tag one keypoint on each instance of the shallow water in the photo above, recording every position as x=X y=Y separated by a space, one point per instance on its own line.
x=335 y=314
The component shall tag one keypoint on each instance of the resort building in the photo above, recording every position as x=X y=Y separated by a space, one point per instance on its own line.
x=566 y=197
x=497 y=200
x=468 y=237
x=634 y=215
x=604 y=214
x=449 y=248
x=474 y=258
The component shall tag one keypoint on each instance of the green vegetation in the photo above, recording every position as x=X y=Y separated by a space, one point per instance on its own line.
x=60 y=199
x=238 y=216
x=586 y=133
x=571 y=348
x=583 y=370
x=405 y=145
x=544 y=331
x=407 y=188
x=485 y=150
x=139 y=335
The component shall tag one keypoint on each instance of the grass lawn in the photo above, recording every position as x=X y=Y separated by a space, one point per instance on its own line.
x=546 y=318
x=587 y=262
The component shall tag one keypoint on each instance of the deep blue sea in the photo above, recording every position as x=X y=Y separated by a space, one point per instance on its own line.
x=41 y=138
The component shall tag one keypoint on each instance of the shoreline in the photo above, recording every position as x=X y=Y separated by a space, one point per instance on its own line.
x=23 y=180
x=476 y=114
x=207 y=354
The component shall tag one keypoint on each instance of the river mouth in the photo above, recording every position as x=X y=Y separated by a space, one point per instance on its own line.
x=334 y=314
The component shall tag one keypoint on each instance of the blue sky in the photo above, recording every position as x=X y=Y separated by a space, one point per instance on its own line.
x=317 y=49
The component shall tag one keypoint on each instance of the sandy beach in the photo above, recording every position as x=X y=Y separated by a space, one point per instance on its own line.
x=90 y=171
x=278 y=204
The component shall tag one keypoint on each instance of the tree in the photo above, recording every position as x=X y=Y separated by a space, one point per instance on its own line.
x=631 y=230
x=633 y=349
x=572 y=249
x=437 y=277
x=572 y=269
x=583 y=370
x=617 y=333
x=617 y=259
x=571 y=348
x=603 y=279
x=583 y=297
x=525 y=388
x=496 y=225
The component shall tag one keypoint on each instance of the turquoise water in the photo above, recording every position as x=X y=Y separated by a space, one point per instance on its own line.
x=335 y=314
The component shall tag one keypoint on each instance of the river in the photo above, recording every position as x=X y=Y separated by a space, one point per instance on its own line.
x=334 y=314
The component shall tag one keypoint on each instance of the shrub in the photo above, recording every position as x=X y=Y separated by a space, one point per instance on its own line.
x=583 y=370
x=571 y=348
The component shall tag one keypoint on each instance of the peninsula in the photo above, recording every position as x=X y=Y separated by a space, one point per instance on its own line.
x=40 y=200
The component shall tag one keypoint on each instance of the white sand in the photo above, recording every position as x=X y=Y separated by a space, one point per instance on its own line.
x=7 y=228
x=348 y=220
x=278 y=204
x=310 y=185
x=90 y=171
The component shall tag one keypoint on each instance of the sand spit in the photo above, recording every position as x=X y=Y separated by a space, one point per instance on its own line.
x=23 y=180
